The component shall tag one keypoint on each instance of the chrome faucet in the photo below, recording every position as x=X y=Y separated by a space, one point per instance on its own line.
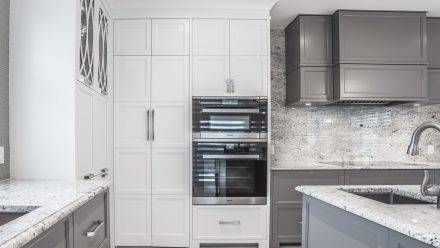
x=413 y=149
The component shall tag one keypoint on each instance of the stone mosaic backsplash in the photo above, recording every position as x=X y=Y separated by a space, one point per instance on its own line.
x=343 y=133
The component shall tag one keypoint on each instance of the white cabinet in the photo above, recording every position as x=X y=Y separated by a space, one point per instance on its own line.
x=210 y=37
x=84 y=137
x=170 y=78
x=210 y=75
x=132 y=171
x=171 y=171
x=132 y=125
x=132 y=220
x=170 y=124
x=132 y=77
x=101 y=133
x=132 y=37
x=249 y=37
x=170 y=225
x=249 y=75
x=170 y=37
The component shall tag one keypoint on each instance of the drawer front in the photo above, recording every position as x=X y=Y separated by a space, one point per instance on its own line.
x=229 y=222
x=284 y=183
x=385 y=177
x=58 y=236
x=91 y=220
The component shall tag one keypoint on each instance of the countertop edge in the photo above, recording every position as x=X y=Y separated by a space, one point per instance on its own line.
x=29 y=234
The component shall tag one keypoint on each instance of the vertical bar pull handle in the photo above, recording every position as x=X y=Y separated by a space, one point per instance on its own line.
x=148 y=125
x=228 y=85
x=152 y=128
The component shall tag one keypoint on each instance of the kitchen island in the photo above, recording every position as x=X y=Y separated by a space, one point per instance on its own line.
x=340 y=216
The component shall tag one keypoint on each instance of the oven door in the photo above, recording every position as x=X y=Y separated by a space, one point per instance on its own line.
x=229 y=173
x=215 y=118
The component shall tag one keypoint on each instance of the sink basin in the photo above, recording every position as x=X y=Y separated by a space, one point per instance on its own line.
x=392 y=198
x=10 y=213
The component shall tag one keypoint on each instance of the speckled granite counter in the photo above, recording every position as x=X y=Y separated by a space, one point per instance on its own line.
x=55 y=201
x=375 y=165
x=419 y=222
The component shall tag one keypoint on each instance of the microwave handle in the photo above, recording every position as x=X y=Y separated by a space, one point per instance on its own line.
x=242 y=156
x=231 y=110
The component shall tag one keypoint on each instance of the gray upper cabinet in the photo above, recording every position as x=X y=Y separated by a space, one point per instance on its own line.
x=434 y=85
x=380 y=82
x=379 y=37
x=309 y=42
x=433 y=25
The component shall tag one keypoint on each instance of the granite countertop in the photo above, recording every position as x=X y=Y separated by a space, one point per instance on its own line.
x=55 y=201
x=416 y=221
x=373 y=165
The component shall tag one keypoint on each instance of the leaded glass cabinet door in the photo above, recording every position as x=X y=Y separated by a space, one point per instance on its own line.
x=86 y=44
x=103 y=22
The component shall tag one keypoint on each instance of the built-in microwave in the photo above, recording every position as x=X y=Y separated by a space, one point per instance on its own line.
x=229 y=173
x=229 y=118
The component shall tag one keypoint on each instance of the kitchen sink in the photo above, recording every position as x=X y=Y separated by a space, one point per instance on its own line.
x=392 y=198
x=10 y=213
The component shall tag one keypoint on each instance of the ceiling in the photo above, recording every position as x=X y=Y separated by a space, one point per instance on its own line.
x=286 y=10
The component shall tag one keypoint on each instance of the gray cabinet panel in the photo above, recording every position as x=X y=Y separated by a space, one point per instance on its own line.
x=287 y=223
x=384 y=177
x=336 y=228
x=380 y=37
x=434 y=85
x=91 y=217
x=384 y=82
x=433 y=27
x=309 y=41
x=310 y=84
x=59 y=236
x=397 y=240
x=437 y=177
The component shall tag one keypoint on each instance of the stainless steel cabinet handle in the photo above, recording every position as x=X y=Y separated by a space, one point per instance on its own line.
x=94 y=228
x=232 y=86
x=244 y=156
x=300 y=223
x=152 y=121
x=231 y=110
x=89 y=176
x=234 y=222
x=148 y=125
x=228 y=85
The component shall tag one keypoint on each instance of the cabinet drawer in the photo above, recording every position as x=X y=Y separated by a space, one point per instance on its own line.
x=385 y=177
x=58 y=236
x=229 y=222
x=90 y=224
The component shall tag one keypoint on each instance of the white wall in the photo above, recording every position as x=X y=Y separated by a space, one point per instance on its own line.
x=42 y=80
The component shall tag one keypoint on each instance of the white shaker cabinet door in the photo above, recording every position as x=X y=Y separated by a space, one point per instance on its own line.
x=132 y=37
x=132 y=220
x=84 y=131
x=210 y=75
x=132 y=171
x=132 y=129
x=210 y=37
x=170 y=124
x=170 y=78
x=170 y=226
x=170 y=36
x=170 y=168
x=132 y=78
x=249 y=37
x=249 y=75
x=101 y=133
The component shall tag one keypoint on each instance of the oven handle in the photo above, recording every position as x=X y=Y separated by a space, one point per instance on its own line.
x=232 y=110
x=241 y=156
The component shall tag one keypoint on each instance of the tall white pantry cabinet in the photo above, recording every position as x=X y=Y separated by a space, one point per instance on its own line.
x=159 y=64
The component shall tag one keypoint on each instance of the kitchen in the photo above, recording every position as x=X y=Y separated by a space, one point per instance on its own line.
x=146 y=123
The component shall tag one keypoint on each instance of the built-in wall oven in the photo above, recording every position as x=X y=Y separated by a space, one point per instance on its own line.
x=229 y=151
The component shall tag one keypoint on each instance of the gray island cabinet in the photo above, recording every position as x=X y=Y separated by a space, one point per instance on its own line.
x=87 y=227
x=337 y=228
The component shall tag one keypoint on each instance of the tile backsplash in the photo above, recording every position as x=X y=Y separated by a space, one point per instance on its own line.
x=4 y=85
x=341 y=133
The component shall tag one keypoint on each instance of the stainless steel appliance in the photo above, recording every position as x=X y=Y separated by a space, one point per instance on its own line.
x=229 y=173
x=229 y=151
x=229 y=118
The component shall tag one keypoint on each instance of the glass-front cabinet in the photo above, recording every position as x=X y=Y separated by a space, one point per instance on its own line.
x=92 y=62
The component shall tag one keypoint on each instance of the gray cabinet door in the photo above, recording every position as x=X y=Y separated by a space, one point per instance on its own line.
x=434 y=85
x=309 y=84
x=287 y=223
x=309 y=41
x=397 y=240
x=384 y=177
x=379 y=37
x=433 y=42
x=58 y=236
x=91 y=223
x=380 y=82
